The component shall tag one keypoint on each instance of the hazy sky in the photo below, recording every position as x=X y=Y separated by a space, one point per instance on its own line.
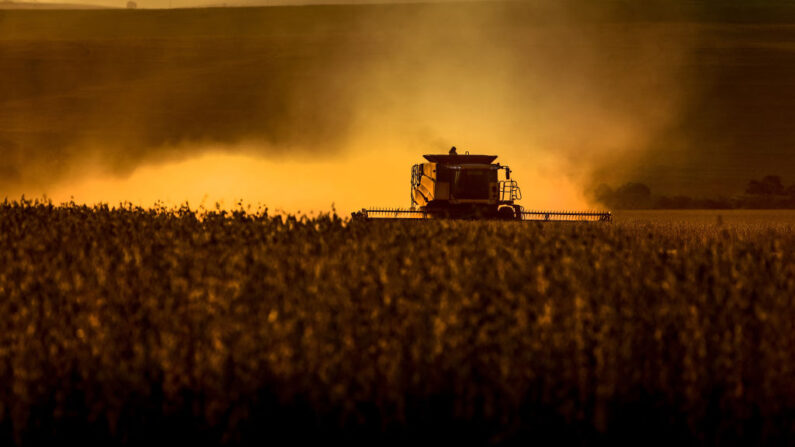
x=304 y=107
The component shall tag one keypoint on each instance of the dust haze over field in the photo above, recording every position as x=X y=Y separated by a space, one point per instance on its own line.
x=299 y=107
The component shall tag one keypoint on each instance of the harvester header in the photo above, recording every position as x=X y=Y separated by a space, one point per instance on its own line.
x=464 y=186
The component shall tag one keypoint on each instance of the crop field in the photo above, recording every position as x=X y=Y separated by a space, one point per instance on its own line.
x=731 y=218
x=135 y=325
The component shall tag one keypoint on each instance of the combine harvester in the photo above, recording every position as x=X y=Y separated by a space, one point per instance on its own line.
x=467 y=186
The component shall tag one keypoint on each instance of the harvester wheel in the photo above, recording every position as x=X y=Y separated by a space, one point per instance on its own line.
x=506 y=213
x=518 y=209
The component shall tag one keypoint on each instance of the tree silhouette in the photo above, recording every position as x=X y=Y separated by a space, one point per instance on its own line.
x=767 y=193
x=769 y=185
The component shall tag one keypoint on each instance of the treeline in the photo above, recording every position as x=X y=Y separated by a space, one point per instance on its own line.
x=767 y=193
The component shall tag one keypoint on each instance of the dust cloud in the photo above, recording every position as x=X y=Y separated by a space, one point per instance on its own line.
x=299 y=108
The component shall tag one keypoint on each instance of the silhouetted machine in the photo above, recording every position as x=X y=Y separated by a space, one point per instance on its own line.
x=469 y=187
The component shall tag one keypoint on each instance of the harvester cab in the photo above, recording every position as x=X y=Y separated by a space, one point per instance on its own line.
x=464 y=186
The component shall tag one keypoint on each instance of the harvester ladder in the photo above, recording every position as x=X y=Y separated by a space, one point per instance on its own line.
x=509 y=191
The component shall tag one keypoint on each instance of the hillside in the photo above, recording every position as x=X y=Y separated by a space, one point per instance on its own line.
x=38 y=6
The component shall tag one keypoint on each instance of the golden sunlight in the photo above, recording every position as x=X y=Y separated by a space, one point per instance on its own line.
x=363 y=179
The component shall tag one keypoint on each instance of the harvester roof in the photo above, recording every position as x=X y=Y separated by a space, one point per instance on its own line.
x=460 y=159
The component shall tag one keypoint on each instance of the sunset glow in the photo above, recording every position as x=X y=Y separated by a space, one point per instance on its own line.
x=365 y=179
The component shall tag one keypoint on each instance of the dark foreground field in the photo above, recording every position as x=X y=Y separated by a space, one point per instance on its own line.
x=135 y=326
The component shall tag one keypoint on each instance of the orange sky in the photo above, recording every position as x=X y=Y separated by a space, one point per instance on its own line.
x=362 y=179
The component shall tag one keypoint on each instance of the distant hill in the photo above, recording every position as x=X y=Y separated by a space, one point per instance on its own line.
x=180 y=4
x=37 y=5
